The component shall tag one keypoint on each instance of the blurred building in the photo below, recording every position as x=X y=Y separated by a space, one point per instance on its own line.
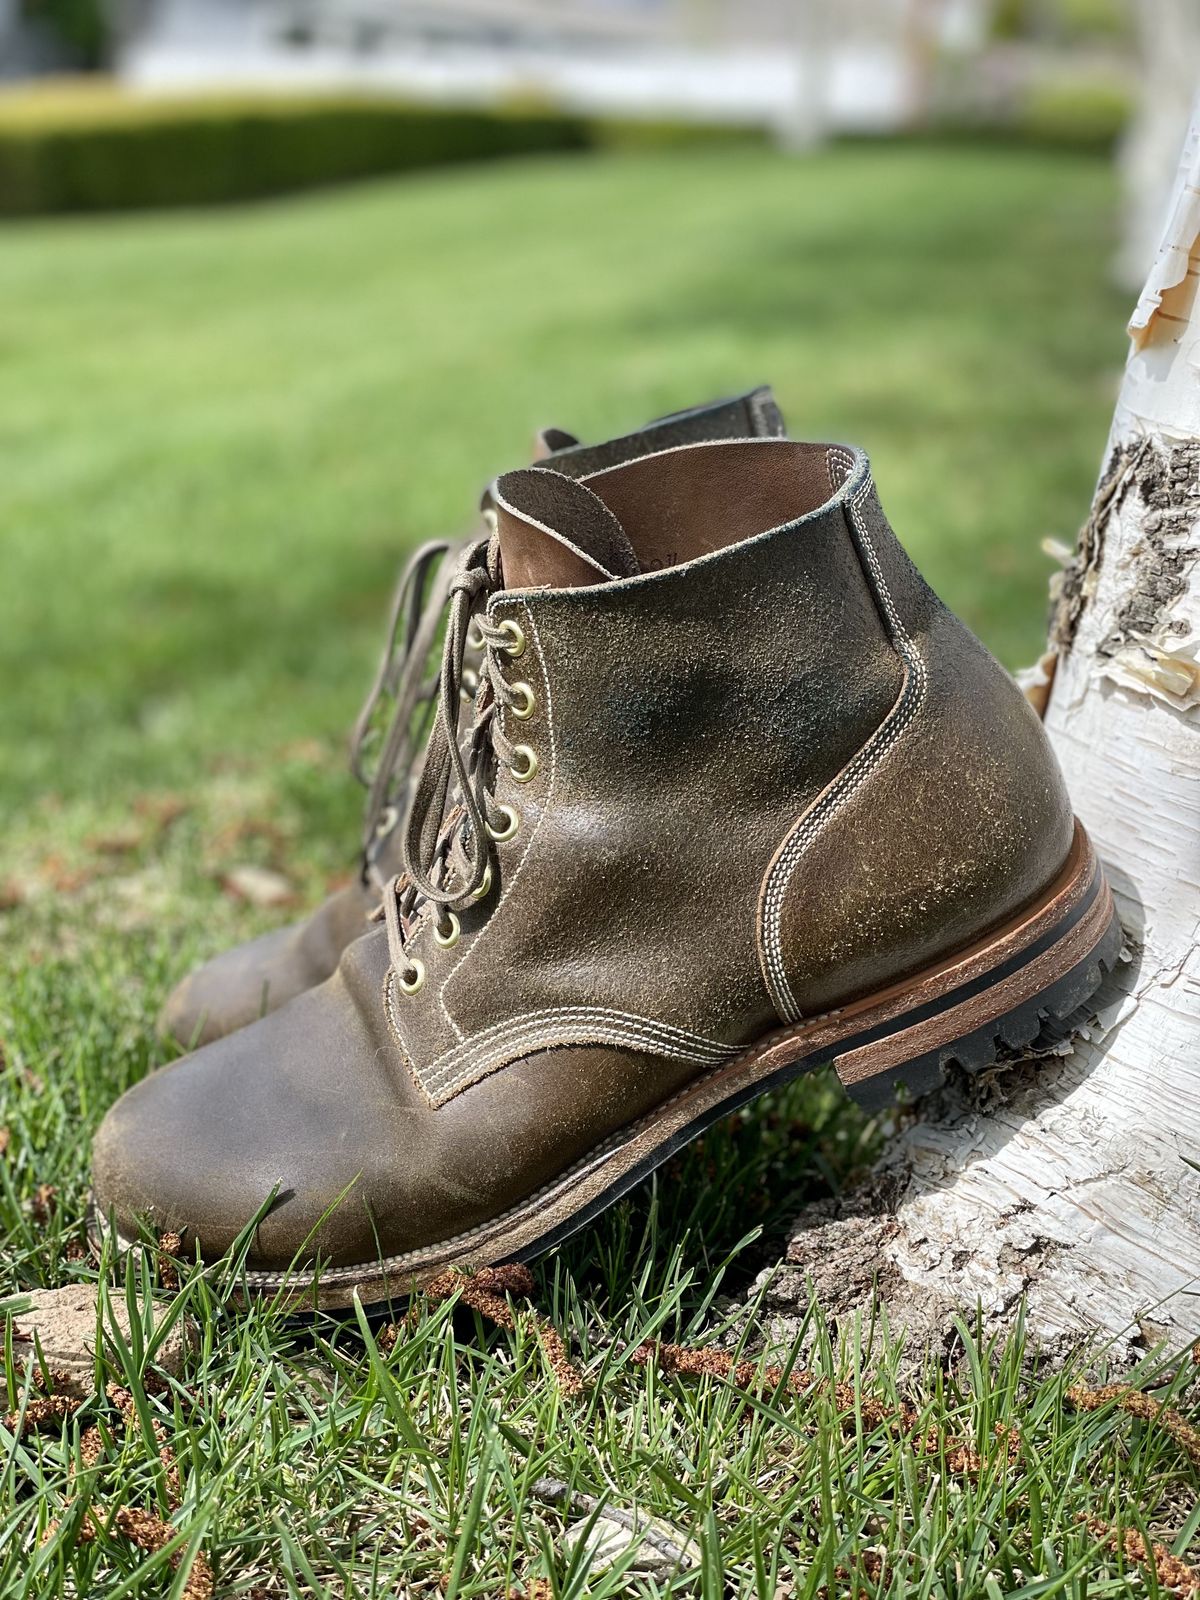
x=783 y=62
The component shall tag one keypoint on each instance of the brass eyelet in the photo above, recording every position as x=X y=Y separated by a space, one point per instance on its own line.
x=486 y=885
x=475 y=639
x=522 y=774
x=528 y=702
x=447 y=940
x=516 y=635
x=417 y=981
x=513 y=821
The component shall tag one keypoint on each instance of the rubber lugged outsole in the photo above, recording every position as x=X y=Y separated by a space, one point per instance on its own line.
x=998 y=1040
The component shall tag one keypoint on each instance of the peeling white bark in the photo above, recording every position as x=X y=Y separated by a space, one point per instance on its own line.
x=1169 y=269
x=1069 y=1181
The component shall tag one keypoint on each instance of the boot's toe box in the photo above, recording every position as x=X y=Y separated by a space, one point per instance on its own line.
x=241 y=985
x=312 y=1120
x=199 y=1147
x=232 y=990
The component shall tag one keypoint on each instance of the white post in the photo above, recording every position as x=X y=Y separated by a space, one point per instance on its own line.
x=806 y=122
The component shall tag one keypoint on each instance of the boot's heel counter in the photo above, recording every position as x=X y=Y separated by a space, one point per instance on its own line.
x=950 y=818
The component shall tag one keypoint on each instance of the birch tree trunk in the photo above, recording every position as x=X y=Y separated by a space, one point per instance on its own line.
x=1069 y=1180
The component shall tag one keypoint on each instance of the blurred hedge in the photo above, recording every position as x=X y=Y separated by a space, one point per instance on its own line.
x=1088 y=115
x=96 y=151
x=93 y=148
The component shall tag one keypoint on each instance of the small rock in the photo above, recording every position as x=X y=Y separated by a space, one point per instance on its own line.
x=658 y=1550
x=63 y=1322
x=260 y=886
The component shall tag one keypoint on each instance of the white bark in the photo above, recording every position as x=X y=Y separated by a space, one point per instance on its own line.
x=1069 y=1180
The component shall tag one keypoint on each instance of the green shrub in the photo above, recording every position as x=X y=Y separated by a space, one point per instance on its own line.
x=94 y=149
x=1087 y=114
x=1063 y=21
x=88 y=147
x=1083 y=20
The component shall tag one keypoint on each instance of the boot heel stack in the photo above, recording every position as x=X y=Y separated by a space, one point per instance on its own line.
x=993 y=999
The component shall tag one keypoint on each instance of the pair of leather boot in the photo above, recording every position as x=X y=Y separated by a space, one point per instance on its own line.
x=715 y=790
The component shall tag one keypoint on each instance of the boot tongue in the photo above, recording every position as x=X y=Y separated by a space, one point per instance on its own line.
x=555 y=533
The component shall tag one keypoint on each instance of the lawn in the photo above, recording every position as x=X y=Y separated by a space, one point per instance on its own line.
x=220 y=435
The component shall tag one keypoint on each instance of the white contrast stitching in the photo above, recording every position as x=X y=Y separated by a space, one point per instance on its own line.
x=559 y=538
x=843 y=458
x=851 y=779
x=577 y=1019
x=506 y=1041
x=594 y=1157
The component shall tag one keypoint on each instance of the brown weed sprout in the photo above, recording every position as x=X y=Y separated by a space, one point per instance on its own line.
x=145 y=1529
x=1172 y=1573
x=902 y=1421
x=169 y=1246
x=43 y=1412
x=123 y=1401
x=150 y=1533
x=1137 y=1404
x=705 y=1362
x=487 y=1292
x=870 y=1566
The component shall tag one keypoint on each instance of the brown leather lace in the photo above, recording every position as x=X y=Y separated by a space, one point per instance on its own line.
x=403 y=678
x=446 y=842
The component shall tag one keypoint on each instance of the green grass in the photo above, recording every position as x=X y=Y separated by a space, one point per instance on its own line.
x=220 y=434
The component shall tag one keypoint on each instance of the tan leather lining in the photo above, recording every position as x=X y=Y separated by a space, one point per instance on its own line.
x=554 y=532
x=695 y=499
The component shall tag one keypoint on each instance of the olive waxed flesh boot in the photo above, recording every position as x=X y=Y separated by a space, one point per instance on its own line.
x=243 y=984
x=738 y=797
